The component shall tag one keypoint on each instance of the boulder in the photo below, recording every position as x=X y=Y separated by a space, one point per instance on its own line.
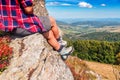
x=34 y=59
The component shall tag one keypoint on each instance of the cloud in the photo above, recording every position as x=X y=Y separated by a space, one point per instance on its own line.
x=103 y=4
x=85 y=5
x=57 y=4
x=52 y=3
x=65 y=4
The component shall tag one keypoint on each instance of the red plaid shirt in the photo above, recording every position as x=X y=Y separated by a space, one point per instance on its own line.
x=12 y=16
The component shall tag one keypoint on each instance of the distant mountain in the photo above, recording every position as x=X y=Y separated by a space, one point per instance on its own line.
x=73 y=20
x=101 y=29
x=61 y=22
x=97 y=23
x=90 y=22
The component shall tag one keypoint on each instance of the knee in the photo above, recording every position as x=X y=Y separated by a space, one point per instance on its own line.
x=52 y=20
x=48 y=35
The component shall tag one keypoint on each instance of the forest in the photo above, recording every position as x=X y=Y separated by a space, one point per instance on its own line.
x=101 y=36
x=104 y=36
x=99 y=51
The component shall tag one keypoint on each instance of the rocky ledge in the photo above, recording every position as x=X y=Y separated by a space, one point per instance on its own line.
x=34 y=59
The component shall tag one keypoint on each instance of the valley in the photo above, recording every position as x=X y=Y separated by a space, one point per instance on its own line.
x=84 y=29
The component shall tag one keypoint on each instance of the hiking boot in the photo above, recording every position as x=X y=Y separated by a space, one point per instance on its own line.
x=64 y=57
x=66 y=51
x=62 y=42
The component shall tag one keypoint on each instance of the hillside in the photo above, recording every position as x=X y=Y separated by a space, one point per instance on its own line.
x=85 y=27
x=82 y=70
x=102 y=36
x=102 y=69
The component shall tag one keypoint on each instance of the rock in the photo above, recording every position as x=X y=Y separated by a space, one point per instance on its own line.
x=34 y=59
x=40 y=8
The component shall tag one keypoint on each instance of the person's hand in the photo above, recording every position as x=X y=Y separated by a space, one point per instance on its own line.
x=29 y=10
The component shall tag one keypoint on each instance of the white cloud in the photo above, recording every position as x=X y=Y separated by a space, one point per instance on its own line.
x=57 y=4
x=66 y=4
x=52 y=4
x=103 y=4
x=85 y=5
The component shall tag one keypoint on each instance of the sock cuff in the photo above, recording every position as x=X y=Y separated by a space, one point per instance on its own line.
x=61 y=47
x=58 y=39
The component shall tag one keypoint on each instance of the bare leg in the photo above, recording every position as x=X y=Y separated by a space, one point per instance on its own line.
x=54 y=27
x=51 y=39
x=56 y=32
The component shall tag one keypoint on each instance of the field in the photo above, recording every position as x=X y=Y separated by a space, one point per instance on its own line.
x=109 y=29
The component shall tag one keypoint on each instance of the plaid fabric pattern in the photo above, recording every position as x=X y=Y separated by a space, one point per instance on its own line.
x=12 y=16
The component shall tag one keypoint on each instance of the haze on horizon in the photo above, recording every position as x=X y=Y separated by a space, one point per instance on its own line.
x=83 y=8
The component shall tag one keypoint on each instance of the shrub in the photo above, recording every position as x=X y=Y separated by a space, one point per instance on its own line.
x=118 y=58
x=5 y=53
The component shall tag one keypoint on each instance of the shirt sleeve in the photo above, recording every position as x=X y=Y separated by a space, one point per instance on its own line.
x=26 y=3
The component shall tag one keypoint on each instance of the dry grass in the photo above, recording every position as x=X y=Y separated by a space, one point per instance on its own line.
x=109 y=29
x=116 y=70
x=105 y=70
x=79 y=68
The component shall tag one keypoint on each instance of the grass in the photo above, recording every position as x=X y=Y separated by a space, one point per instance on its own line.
x=116 y=70
x=105 y=70
x=80 y=69
x=87 y=70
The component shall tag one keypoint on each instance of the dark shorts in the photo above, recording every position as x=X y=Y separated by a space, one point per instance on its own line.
x=19 y=32
x=46 y=22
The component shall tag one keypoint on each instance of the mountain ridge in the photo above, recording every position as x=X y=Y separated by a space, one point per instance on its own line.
x=72 y=20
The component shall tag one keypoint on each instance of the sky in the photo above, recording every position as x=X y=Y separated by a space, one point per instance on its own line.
x=83 y=8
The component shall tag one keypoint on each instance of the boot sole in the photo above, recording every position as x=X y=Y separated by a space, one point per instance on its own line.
x=62 y=56
x=70 y=52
